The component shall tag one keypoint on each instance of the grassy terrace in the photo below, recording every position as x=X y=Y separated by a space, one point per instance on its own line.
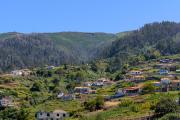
x=138 y=106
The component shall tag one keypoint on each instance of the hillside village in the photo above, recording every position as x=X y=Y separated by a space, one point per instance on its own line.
x=90 y=60
x=65 y=92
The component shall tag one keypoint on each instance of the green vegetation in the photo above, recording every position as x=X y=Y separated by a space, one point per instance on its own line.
x=38 y=49
x=85 y=58
x=95 y=104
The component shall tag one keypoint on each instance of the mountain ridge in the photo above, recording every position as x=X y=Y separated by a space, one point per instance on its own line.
x=19 y=50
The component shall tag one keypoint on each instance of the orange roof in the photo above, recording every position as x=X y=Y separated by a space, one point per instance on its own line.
x=175 y=81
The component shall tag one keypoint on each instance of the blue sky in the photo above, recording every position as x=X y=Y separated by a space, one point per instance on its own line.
x=84 y=15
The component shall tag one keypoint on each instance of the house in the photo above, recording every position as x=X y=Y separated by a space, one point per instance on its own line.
x=26 y=72
x=97 y=84
x=67 y=97
x=163 y=71
x=165 y=60
x=50 y=67
x=135 y=72
x=23 y=72
x=102 y=82
x=118 y=94
x=132 y=90
x=60 y=95
x=17 y=73
x=178 y=71
x=139 y=78
x=6 y=101
x=165 y=81
x=157 y=85
x=175 y=84
x=82 y=90
x=93 y=91
x=55 y=115
x=172 y=68
x=165 y=84
x=87 y=84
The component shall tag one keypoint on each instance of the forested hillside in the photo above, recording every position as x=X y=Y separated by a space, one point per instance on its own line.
x=37 y=49
x=148 y=42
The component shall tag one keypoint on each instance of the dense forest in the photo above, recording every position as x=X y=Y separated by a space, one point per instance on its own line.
x=148 y=42
x=38 y=49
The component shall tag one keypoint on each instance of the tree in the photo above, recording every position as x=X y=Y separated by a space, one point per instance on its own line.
x=166 y=105
x=36 y=86
x=14 y=114
x=95 y=104
x=80 y=76
x=148 y=88
x=99 y=102
x=90 y=105
x=22 y=114
x=56 y=81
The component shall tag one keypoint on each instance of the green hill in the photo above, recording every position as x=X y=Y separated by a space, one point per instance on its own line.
x=20 y=50
x=148 y=42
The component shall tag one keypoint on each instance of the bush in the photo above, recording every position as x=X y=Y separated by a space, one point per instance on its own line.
x=99 y=102
x=134 y=108
x=36 y=86
x=146 y=106
x=95 y=104
x=166 y=105
x=13 y=114
x=90 y=105
x=126 y=103
x=148 y=88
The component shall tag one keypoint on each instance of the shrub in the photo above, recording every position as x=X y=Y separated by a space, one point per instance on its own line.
x=148 y=88
x=36 y=86
x=134 y=108
x=90 y=105
x=166 y=105
x=126 y=103
x=99 y=102
x=95 y=104
x=146 y=106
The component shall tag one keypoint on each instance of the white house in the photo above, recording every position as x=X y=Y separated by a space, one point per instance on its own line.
x=55 y=115
x=163 y=72
x=165 y=81
x=17 y=73
x=136 y=72
x=6 y=101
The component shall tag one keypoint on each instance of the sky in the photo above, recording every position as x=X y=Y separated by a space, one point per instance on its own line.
x=110 y=16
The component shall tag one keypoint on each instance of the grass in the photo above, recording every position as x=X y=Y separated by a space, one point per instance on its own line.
x=52 y=105
x=138 y=108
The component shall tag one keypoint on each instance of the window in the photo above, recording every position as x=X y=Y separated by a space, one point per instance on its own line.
x=48 y=114
x=64 y=115
x=58 y=114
